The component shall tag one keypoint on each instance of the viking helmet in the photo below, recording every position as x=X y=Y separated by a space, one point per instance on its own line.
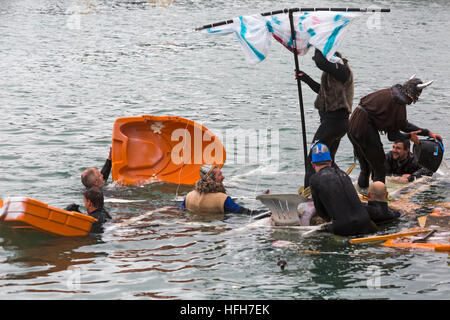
x=207 y=171
x=413 y=88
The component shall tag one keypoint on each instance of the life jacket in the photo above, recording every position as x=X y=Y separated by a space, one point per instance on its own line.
x=197 y=202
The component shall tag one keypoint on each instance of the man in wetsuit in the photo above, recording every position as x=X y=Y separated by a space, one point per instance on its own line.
x=334 y=103
x=335 y=197
x=377 y=206
x=209 y=195
x=383 y=110
x=93 y=201
x=92 y=177
x=400 y=162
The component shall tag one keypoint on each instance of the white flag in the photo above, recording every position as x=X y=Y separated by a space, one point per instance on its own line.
x=322 y=29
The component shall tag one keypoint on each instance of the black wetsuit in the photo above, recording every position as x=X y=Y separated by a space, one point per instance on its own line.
x=336 y=200
x=406 y=166
x=102 y=216
x=333 y=124
x=380 y=213
x=106 y=170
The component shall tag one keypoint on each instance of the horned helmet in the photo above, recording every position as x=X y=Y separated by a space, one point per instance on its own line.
x=413 y=88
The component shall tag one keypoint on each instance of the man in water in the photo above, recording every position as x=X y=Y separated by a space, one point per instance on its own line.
x=93 y=201
x=400 y=162
x=92 y=177
x=334 y=103
x=383 y=110
x=209 y=195
x=377 y=206
x=335 y=197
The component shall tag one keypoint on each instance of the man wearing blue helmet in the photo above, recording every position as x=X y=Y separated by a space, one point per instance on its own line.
x=335 y=197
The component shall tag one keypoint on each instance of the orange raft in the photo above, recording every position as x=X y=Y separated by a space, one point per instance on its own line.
x=33 y=215
x=150 y=148
x=408 y=242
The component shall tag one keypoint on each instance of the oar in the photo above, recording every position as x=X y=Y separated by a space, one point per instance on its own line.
x=388 y=236
x=425 y=237
x=221 y=23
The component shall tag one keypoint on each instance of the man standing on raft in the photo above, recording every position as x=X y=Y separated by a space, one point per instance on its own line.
x=334 y=102
x=383 y=110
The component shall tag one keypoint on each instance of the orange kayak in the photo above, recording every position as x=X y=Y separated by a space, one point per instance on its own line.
x=150 y=148
x=33 y=215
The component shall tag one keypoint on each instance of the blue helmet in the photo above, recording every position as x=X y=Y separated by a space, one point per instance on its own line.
x=320 y=152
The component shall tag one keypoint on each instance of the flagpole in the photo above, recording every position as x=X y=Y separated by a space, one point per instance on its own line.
x=299 y=84
x=271 y=13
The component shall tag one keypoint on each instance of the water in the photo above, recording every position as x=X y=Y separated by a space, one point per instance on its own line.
x=66 y=77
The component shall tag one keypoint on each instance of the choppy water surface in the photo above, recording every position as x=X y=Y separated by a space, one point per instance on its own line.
x=70 y=68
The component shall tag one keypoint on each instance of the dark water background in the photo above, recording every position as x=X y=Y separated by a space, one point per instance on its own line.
x=63 y=83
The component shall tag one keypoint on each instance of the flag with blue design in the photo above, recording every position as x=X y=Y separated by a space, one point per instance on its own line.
x=323 y=30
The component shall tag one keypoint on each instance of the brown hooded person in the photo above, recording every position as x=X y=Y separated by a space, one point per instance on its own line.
x=383 y=110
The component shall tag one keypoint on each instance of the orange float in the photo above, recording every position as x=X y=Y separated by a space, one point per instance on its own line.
x=33 y=215
x=408 y=242
x=148 y=149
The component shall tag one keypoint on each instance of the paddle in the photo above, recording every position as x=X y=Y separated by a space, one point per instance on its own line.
x=425 y=237
x=262 y=215
x=388 y=236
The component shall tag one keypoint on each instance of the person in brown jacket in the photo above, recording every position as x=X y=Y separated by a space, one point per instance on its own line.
x=383 y=110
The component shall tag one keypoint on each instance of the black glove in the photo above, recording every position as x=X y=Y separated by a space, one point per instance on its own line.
x=73 y=207
x=301 y=75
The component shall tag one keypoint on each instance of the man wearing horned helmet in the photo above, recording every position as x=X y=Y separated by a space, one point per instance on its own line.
x=384 y=110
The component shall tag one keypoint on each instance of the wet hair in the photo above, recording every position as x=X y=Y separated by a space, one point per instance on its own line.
x=95 y=196
x=406 y=144
x=88 y=178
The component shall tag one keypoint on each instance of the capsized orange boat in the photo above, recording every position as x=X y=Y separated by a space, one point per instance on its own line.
x=149 y=148
x=33 y=215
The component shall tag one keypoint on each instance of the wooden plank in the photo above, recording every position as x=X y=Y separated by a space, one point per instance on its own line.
x=388 y=236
